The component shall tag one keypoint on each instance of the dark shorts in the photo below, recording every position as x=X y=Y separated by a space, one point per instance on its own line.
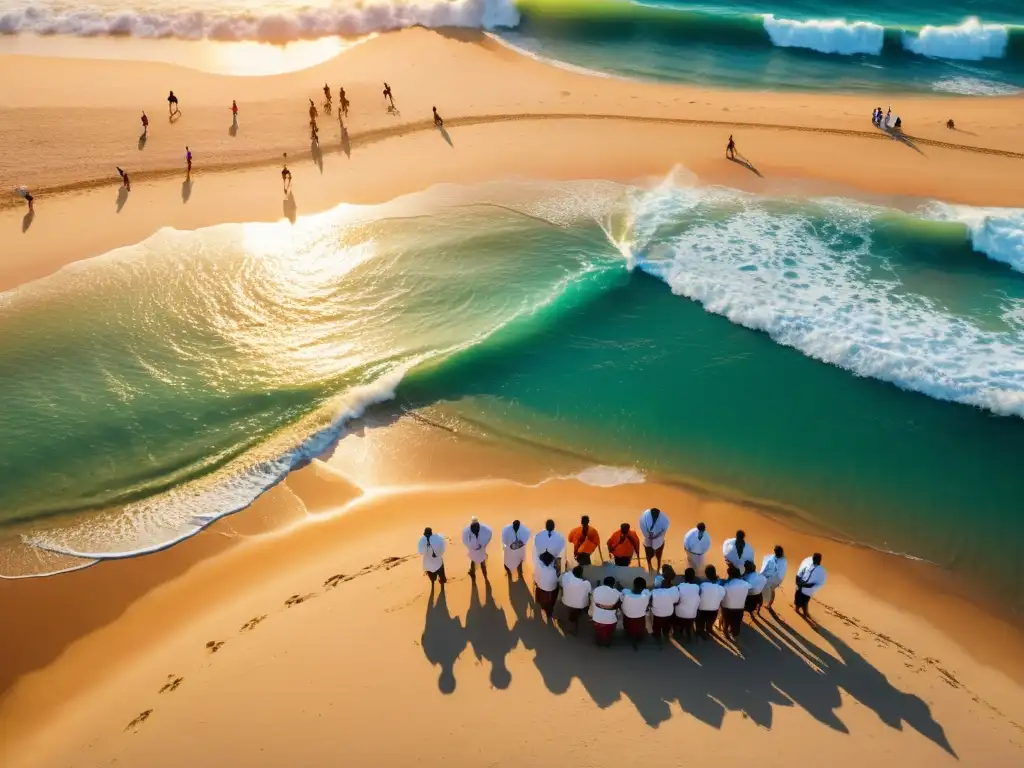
x=545 y=600
x=684 y=625
x=438 y=574
x=574 y=614
x=624 y=561
x=635 y=628
x=800 y=600
x=733 y=618
x=583 y=558
x=603 y=632
x=651 y=552
x=753 y=602
x=663 y=625
x=706 y=620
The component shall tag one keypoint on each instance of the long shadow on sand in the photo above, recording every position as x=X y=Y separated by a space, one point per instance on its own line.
x=740 y=160
x=443 y=639
x=770 y=665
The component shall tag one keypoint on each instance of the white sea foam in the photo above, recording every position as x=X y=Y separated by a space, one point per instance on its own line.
x=802 y=279
x=826 y=35
x=603 y=476
x=971 y=40
x=269 y=25
x=996 y=232
x=974 y=86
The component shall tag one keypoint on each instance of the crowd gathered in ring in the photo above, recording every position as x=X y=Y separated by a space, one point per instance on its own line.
x=698 y=603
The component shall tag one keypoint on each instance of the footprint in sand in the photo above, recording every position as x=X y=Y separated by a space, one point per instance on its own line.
x=214 y=645
x=296 y=599
x=334 y=580
x=171 y=684
x=139 y=720
x=251 y=623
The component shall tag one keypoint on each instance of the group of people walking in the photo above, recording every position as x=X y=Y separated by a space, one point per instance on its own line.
x=698 y=603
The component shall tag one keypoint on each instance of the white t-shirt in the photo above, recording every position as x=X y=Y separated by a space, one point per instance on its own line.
x=545 y=576
x=575 y=592
x=689 y=599
x=711 y=596
x=736 y=591
x=431 y=551
x=476 y=543
x=697 y=543
x=653 y=530
x=756 y=581
x=552 y=542
x=663 y=600
x=732 y=557
x=609 y=597
x=635 y=606
x=811 y=573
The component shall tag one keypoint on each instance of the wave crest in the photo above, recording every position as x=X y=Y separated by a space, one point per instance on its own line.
x=970 y=41
x=827 y=35
x=996 y=232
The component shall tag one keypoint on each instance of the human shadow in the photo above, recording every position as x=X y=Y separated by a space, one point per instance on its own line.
x=317 y=154
x=961 y=130
x=122 y=198
x=740 y=160
x=142 y=141
x=289 y=208
x=897 y=134
x=186 y=190
x=393 y=110
x=233 y=129
x=26 y=220
x=346 y=147
x=489 y=635
x=174 y=116
x=443 y=640
x=444 y=134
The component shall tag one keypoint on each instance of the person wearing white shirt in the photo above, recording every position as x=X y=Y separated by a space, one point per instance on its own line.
x=653 y=526
x=697 y=542
x=757 y=584
x=514 y=538
x=431 y=548
x=476 y=536
x=550 y=540
x=689 y=601
x=664 y=597
x=604 y=602
x=711 y=595
x=737 y=551
x=735 y=600
x=545 y=581
x=635 y=604
x=810 y=577
x=773 y=568
x=576 y=592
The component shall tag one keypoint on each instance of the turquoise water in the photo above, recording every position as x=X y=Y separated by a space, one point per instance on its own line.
x=860 y=363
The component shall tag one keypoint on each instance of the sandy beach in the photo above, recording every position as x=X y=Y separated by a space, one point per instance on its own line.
x=302 y=630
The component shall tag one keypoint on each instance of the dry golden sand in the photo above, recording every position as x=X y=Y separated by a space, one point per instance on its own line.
x=240 y=647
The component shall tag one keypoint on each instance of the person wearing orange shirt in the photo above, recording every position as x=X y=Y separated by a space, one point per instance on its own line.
x=585 y=540
x=624 y=545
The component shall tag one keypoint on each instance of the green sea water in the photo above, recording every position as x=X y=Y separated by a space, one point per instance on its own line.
x=861 y=365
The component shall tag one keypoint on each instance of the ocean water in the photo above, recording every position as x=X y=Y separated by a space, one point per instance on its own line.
x=862 y=365
x=971 y=47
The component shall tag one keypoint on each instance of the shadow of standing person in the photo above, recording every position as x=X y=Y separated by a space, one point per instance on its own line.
x=122 y=198
x=490 y=636
x=290 y=208
x=26 y=220
x=186 y=190
x=443 y=640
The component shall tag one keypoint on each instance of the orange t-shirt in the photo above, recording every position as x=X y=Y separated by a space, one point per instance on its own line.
x=620 y=545
x=581 y=545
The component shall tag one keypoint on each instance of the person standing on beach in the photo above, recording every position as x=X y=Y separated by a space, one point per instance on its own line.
x=697 y=542
x=188 y=162
x=514 y=538
x=635 y=604
x=312 y=111
x=476 y=536
x=576 y=592
x=773 y=568
x=234 y=113
x=172 y=103
x=388 y=96
x=734 y=602
x=438 y=122
x=342 y=102
x=286 y=175
x=654 y=526
x=431 y=547
x=737 y=551
x=551 y=541
x=711 y=595
x=757 y=582
x=545 y=581
x=604 y=604
x=124 y=180
x=27 y=196
x=689 y=601
x=624 y=545
x=810 y=577
x=585 y=540
x=730 y=148
x=145 y=125
x=327 y=98
x=664 y=598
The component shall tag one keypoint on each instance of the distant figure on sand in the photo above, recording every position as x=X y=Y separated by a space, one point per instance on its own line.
x=576 y=592
x=124 y=179
x=438 y=122
x=234 y=112
x=605 y=601
x=810 y=577
x=314 y=133
x=654 y=526
x=431 y=548
x=584 y=539
x=730 y=148
x=327 y=98
x=624 y=545
x=343 y=101
x=24 y=193
x=286 y=175
x=950 y=124
x=388 y=96
x=476 y=536
x=312 y=111
x=773 y=568
x=172 y=103
x=145 y=125
x=188 y=161
x=697 y=542
x=514 y=538
x=545 y=580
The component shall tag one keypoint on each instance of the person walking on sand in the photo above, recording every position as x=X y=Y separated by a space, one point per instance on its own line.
x=545 y=581
x=286 y=175
x=145 y=125
x=810 y=577
x=697 y=542
x=312 y=111
x=605 y=601
x=689 y=601
x=431 y=548
x=172 y=103
x=327 y=98
x=576 y=592
x=551 y=541
x=476 y=536
x=388 y=96
x=343 y=102
x=438 y=122
x=624 y=545
x=188 y=162
x=585 y=539
x=124 y=180
x=773 y=568
x=514 y=538
x=730 y=148
x=654 y=526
